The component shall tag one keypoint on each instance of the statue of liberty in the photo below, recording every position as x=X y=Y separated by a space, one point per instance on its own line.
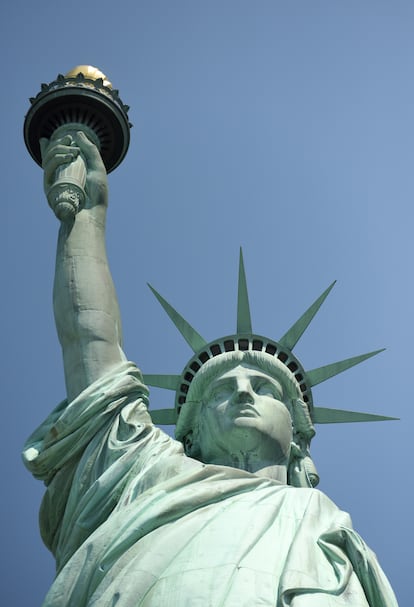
x=227 y=514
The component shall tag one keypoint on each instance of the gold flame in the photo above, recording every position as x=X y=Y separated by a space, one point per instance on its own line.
x=89 y=71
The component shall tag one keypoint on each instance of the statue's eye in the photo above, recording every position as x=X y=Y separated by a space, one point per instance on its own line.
x=221 y=391
x=266 y=388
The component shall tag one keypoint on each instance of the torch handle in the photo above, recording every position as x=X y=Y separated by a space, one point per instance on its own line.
x=66 y=196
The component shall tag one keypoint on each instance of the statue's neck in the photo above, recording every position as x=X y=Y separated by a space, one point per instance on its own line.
x=251 y=463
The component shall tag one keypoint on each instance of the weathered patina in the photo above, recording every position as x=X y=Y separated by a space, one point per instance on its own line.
x=227 y=515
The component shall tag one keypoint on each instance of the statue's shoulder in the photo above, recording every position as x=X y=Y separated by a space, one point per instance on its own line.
x=312 y=499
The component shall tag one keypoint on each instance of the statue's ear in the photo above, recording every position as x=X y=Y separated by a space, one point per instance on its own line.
x=301 y=419
x=191 y=445
x=301 y=469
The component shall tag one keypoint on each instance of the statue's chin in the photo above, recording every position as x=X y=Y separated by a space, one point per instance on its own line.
x=244 y=439
x=246 y=435
x=249 y=426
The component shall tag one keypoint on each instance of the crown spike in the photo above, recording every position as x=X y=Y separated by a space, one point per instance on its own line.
x=321 y=374
x=323 y=415
x=194 y=339
x=244 y=323
x=291 y=338
x=163 y=417
x=169 y=382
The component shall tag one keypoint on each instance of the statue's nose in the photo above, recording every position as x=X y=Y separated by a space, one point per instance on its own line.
x=244 y=395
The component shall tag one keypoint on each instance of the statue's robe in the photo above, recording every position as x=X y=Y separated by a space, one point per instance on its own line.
x=133 y=522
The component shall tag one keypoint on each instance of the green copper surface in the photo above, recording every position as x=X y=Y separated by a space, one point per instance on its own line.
x=291 y=337
x=323 y=415
x=194 y=339
x=225 y=516
x=244 y=323
x=163 y=417
x=321 y=374
x=169 y=382
x=286 y=344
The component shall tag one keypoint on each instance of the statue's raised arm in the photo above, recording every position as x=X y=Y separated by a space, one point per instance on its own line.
x=85 y=303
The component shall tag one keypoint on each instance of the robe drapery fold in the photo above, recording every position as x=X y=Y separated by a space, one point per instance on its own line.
x=134 y=522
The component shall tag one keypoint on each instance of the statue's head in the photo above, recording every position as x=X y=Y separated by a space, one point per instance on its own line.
x=245 y=393
x=248 y=404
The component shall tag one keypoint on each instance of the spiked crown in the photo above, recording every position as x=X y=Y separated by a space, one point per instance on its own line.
x=245 y=340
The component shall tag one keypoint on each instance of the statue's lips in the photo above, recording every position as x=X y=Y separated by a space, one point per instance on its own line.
x=245 y=410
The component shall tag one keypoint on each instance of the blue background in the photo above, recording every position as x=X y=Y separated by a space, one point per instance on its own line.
x=284 y=127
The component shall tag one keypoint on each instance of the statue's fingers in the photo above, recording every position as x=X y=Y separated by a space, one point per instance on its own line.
x=49 y=147
x=54 y=163
x=55 y=153
x=65 y=140
x=89 y=150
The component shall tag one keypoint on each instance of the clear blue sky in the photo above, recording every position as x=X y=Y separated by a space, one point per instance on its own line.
x=286 y=127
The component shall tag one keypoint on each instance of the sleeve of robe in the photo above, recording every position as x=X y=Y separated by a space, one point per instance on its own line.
x=332 y=568
x=87 y=450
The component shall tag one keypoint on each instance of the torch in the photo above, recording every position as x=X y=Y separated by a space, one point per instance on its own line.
x=82 y=100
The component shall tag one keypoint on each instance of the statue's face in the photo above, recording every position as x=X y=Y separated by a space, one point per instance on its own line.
x=244 y=411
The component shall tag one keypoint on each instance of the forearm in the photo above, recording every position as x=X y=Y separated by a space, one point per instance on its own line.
x=85 y=303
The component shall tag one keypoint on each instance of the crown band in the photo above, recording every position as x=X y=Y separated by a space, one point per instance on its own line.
x=231 y=343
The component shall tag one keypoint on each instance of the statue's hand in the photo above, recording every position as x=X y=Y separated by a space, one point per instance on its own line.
x=61 y=152
x=96 y=177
